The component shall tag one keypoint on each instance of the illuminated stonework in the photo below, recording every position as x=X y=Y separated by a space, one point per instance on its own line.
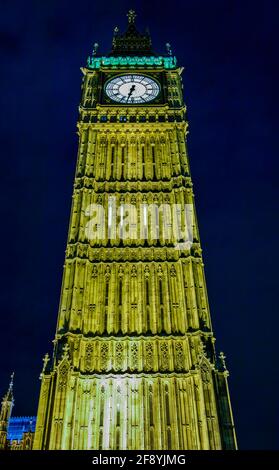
x=134 y=364
x=116 y=62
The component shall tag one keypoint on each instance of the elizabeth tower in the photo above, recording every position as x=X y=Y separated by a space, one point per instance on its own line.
x=134 y=364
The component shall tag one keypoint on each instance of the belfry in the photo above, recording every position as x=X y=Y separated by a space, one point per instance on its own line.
x=134 y=363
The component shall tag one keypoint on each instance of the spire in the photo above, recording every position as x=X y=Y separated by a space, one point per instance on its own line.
x=5 y=413
x=132 y=42
x=9 y=395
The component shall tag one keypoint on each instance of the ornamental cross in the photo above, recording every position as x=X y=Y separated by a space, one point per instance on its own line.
x=131 y=16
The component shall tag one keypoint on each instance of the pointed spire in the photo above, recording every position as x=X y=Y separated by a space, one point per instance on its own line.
x=12 y=381
x=9 y=395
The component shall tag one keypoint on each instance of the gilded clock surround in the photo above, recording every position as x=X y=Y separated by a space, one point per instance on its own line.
x=134 y=363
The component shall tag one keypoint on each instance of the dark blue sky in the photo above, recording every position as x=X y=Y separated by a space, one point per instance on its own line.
x=230 y=53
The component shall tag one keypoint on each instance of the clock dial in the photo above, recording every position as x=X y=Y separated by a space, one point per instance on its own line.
x=132 y=89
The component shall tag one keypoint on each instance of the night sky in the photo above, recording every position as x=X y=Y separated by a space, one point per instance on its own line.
x=230 y=56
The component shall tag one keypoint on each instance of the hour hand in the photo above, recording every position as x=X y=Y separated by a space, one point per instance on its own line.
x=132 y=89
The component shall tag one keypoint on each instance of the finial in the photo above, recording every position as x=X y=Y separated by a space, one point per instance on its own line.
x=116 y=30
x=131 y=16
x=66 y=349
x=222 y=359
x=95 y=48
x=168 y=47
x=45 y=361
x=201 y=349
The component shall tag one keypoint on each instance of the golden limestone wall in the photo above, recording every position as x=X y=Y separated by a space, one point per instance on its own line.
x=156 y=297
x=134 y=365
x=139 y=412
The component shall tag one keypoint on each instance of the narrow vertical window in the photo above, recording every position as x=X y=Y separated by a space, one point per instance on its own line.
x=162 y=318
x=153 y=154
x=147 y=319
x=118 y=414
x=145 y=221
x=120 y=293
x=152 y=447
x=112 y=158
x=143 y=160
x=109 y=216
x=169 y=438
x=123 y=160
x=147 y=291
x=107 y=293
x=151 y=420
x=161 y=291
x=102 y=409
x=117 y=444
x=121 y=220
x=101 y=439
x=167 y=401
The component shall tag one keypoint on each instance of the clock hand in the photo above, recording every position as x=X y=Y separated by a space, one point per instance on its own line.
x=132 y=89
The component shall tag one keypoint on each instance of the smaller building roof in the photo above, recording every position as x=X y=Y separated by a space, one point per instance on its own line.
x=18 y=425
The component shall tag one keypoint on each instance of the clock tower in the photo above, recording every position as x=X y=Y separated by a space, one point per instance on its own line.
x=134 y=363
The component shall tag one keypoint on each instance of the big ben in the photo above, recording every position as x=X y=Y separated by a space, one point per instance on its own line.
x=134 y=363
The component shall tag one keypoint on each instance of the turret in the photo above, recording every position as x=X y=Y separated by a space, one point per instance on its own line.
x=5 y=414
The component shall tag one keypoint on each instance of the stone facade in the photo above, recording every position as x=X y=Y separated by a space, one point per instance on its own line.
x=134 y=364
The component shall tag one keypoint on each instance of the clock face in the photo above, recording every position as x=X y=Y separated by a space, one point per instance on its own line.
x=132 y=89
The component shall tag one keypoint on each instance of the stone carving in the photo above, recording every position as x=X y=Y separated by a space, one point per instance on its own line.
x=172 y=271
x=104 y=349
x=164 y=356
x=134 y=356
x=149 y=356
x=179 y=356
x=119 y=349
x=88 y=357
x=63 y=376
